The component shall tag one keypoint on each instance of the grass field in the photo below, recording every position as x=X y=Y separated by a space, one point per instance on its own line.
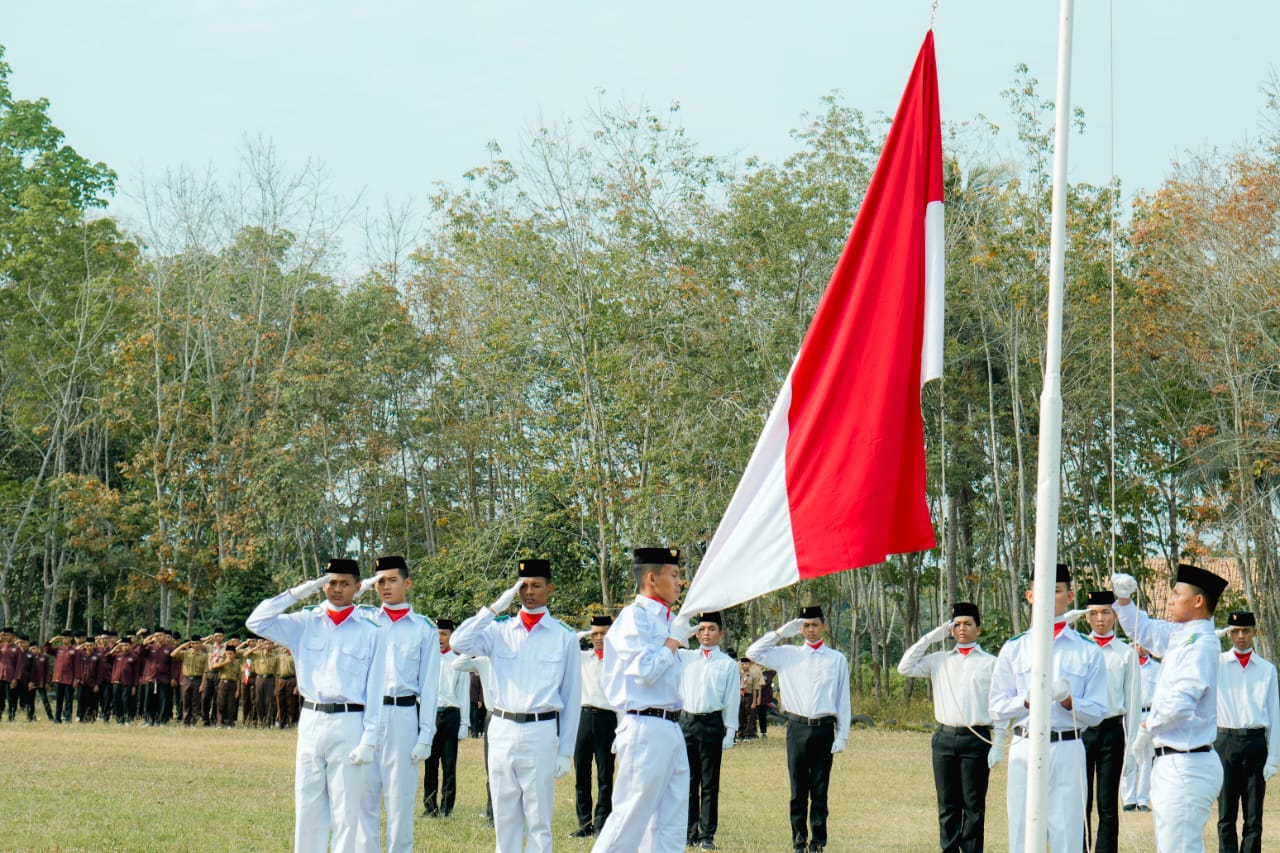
x=109 y=788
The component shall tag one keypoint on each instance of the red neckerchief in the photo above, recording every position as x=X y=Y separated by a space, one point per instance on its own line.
x=1057 y=629
x=815 y=646
x=1102 y=641
x=529 y=619
x=665 y=606
x=964 y=651
x=706 y=653
x=396 y=615
x=446 y=650
x=599 y=654
x=340 y=616
x=1142 y=660
x=1244 y=658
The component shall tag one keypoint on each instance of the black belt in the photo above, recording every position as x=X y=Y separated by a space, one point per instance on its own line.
x=1241 y=732
x=525 y=718
x=689 y=715
x=1146 y=708
x=985 y=731
x=332 y=707
x=810 y=721
x=1168 y=750
x=1054 y=737
x=400 y=701
x=594 y=710
x=673 y=716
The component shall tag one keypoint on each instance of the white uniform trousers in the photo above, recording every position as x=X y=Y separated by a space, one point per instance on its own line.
x=1135 y=782
x=522 y=782
x=651 y=791
x=1184 y=787
x=393 y=775
x=1066 y=796
x=326 y=785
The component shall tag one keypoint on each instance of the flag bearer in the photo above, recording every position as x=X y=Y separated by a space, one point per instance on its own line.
x=595 y=737
x=709 y=691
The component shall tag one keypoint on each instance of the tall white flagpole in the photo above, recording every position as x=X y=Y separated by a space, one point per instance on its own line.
x=1048 y=477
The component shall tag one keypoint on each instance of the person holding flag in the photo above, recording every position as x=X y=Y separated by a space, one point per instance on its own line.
x=815 y=693
x=964 y=751
x=408 y=700
x=1182 y=724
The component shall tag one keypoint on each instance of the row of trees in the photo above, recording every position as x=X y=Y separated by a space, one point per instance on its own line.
x=575 y=353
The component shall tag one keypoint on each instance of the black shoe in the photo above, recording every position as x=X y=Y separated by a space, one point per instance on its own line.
x=1144 y=808
x=583 y=832
x=815 y=848
x=707 y=844
x=430 y=812
x=1131 y=807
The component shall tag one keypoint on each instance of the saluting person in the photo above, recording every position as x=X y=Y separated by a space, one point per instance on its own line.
x=537 y=682
x=1182 y=722
x=341 y=664
x=1106 y=744
x=1248 y=742
x=709 y=690
x=815 y=693
x=964 y=749
x=595 y=737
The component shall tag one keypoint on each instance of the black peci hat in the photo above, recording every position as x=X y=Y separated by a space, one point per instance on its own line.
x=1241 y=619
x=712 y=616
x=534 y=569
x=601 y=621
x=342 y=566
x=656 y=556
x=1206 y=581
x=812 y=611
x=445 y=624
x=966 y=608
x=1062 y=574
x=394 y=561
x=1101 y=598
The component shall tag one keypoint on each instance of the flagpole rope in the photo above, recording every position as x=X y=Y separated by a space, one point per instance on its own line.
x=1111 y=234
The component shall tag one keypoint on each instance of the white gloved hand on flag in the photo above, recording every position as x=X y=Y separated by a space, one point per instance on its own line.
x=1061 y=689
x=563 y=765
x=1124 y=586
x=503 y=601
x=791 y=629
x=421 y=752
x=728 y=741
x=837 y=747
x=993 y=756
x=362 y=754
x=681 y=629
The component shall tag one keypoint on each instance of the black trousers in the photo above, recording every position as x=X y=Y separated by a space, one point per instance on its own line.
x=703 y=737
x=62 y=695
x=1103 y=764
x=122 y=699
x=594 y=745
x=90 y=703
x=43 y=693
x=1243 y=757
x=960 y=775
x=443 y=761
x=209 y=698
x=809 y=765
x=264 y=700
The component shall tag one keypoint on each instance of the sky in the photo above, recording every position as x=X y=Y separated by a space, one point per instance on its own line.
x=390 y=97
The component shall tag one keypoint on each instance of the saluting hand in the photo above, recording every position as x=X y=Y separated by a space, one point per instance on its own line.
x=791 y=629
x=1073 y=615
x=504 y=601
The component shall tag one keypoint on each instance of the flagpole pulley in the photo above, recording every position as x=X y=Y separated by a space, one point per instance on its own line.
x=933 y=13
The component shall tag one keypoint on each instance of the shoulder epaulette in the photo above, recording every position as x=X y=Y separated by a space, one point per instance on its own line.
x=425 y=618
x=1191 y=639
x=311 y=607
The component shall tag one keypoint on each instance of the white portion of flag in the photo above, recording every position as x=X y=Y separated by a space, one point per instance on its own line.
x=754 y=540
x=935 y=279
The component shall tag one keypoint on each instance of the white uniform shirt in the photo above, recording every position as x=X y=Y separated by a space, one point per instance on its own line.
x=411 y=641
x=639 y=670
x=1124 y=684
x=593 y=682
x=961 y=683
x=710 y=681
x=814 y=682
x=455 y=685
x=1074 y=658
x=534 y=671
x=335 y=663
x=1248 y=698
x=1184 y=707
x=1150 y=674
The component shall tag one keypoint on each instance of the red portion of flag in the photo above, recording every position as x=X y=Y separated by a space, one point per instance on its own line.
x=855 y=450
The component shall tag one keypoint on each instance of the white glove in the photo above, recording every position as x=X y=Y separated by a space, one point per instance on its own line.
x=993 y=756
x=837 y=747
x=421 y=752
x=582 y=635
x=1074 y=615
x=1124 y=586
x=462 y=731
x=681 y=629
x=1061 y=689
x=308 y=588
x=366 y=585
x=503 y=601
x=727 y=743
x=1267 y=772
x=1222 y=632
x=791 y=629
x=1142 y=750
x=362 y=754
x=940 y=633
x=563 y=765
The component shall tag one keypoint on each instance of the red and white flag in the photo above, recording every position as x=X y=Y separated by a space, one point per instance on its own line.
x=837 y=479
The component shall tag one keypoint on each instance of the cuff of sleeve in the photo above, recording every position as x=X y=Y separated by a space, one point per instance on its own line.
x=369 y=740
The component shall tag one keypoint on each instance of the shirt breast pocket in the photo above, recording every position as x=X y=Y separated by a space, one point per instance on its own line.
x=354 y=659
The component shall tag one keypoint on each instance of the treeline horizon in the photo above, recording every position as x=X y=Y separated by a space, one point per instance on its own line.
x=574 y=355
